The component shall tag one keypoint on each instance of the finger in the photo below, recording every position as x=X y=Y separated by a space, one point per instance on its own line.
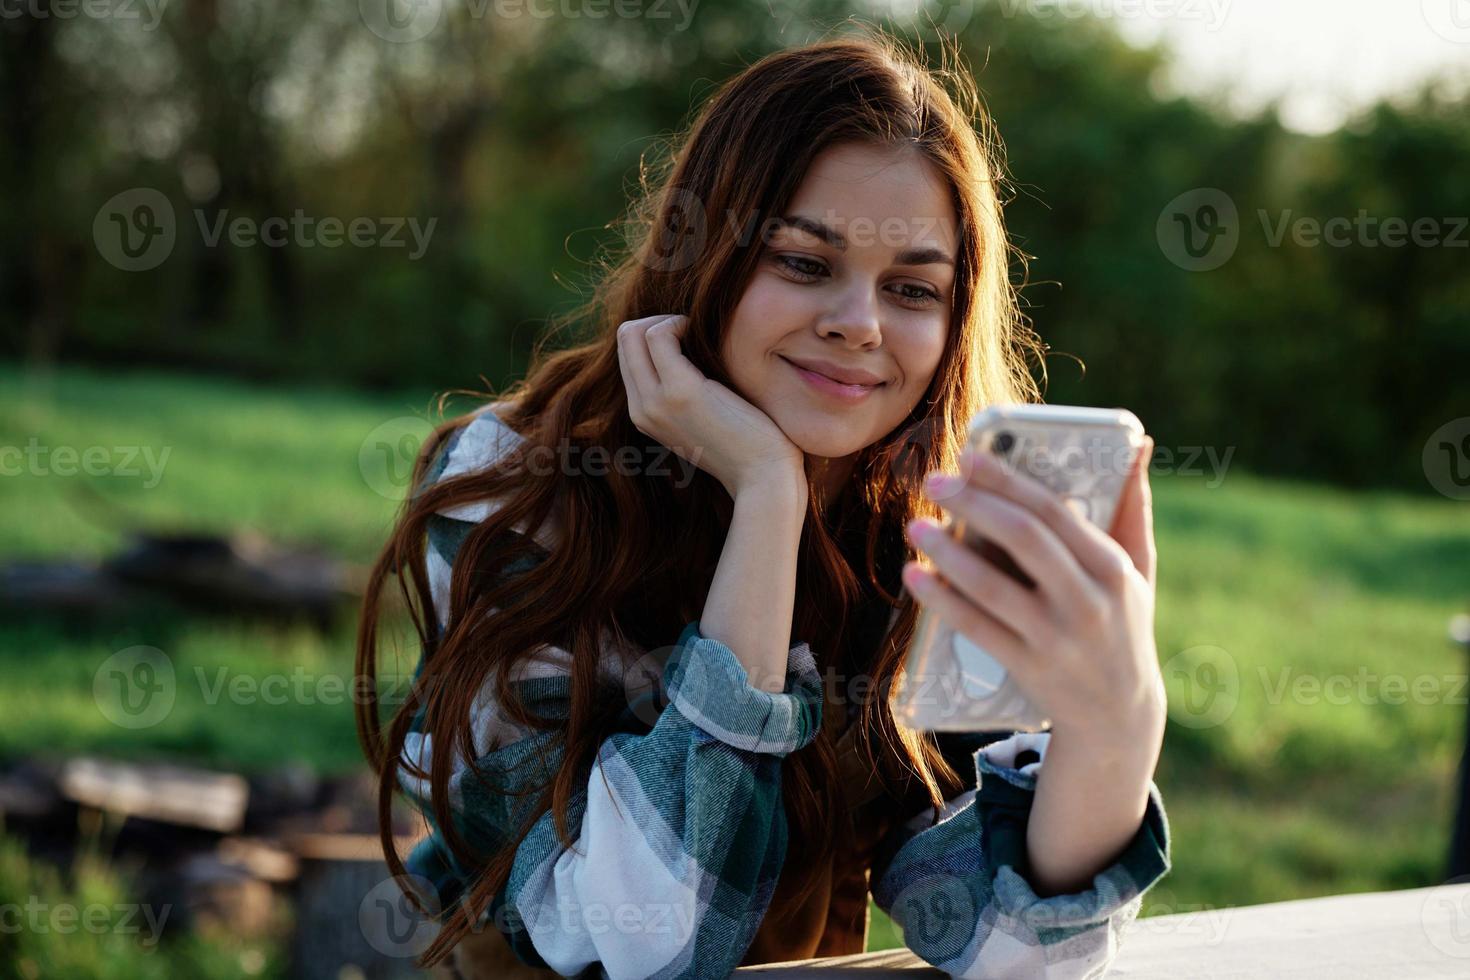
x=644 y=322
x=630 y=379
x=980 y=581
x=635 y=348
x=1033 y=545
x=674 y=369
x=1133 y=526
x=977 y=625
x=1098 y=554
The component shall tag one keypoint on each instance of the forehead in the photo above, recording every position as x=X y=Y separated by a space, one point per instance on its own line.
x=853 y=186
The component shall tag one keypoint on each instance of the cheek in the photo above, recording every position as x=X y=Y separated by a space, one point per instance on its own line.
x=920 y=356
x=765 y=315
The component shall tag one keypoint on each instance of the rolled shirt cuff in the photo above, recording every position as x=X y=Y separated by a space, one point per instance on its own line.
x=1142 y=863
x=709 y=685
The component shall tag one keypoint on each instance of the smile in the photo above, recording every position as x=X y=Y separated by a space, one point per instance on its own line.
x=835 y=389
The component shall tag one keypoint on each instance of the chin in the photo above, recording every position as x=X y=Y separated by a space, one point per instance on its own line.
x=820 y=435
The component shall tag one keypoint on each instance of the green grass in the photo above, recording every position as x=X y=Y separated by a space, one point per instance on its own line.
x=89 y=922
x=1286 y=796
x=286 y=464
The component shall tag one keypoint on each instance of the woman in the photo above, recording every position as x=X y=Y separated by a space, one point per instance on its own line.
x=657 y=583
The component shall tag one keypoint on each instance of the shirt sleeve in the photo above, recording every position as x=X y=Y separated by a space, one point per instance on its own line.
x=679 y=833
x=958 y=889
x=682 y=831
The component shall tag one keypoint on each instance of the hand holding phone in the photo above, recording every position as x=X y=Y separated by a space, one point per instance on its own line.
x=1084 y=456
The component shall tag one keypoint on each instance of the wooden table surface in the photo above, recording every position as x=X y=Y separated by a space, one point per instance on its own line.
x=1399 y=935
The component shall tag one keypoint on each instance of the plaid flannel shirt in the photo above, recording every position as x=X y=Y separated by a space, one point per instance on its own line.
x=683 y=835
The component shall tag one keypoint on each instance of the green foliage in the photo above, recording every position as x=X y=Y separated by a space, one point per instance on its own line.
x=519 y=137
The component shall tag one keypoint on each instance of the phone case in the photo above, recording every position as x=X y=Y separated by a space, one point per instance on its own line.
x=1083 y=454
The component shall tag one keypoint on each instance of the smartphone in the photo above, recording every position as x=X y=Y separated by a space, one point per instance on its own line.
x=1082 y=454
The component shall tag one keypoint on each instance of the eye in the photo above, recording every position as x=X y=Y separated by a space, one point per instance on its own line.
x=922 y=296
x=804 y=267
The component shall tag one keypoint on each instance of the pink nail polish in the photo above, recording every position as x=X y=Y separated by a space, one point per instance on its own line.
x=942 y=483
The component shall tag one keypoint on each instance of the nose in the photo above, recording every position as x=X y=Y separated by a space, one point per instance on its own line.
x=855 y=319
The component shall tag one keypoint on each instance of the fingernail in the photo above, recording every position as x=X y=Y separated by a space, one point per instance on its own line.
x=914 y=576
x=942 y=483
x=921 y=529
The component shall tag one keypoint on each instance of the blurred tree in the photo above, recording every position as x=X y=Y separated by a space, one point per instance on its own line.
x=228 y=59
x=513 y=141
x=29 y=247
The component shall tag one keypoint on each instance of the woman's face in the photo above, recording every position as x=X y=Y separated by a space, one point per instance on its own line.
x=858 y=277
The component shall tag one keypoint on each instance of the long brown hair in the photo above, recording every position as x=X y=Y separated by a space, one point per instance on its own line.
x=637 y=553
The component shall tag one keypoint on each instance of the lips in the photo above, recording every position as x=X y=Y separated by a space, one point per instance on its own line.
x=855 y=376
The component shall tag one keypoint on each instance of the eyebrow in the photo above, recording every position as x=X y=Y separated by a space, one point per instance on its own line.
x=919 y=255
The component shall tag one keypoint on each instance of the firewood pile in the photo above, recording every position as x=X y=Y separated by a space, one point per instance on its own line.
x=239 y=573
x=286 y=854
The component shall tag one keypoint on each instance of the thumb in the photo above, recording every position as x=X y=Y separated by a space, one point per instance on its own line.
x=1133 y=527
